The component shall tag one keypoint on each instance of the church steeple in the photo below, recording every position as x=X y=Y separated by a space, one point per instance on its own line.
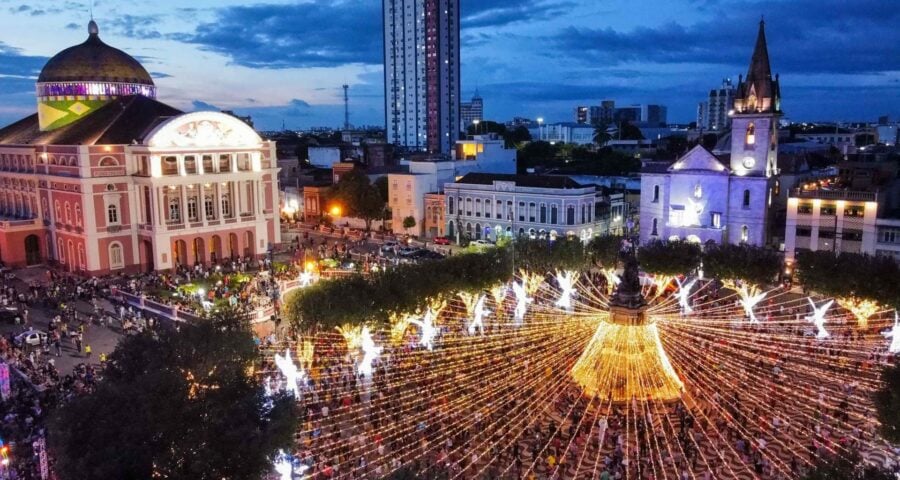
x=758 y=92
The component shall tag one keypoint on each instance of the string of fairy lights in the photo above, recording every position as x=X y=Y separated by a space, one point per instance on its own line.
x=542 y=376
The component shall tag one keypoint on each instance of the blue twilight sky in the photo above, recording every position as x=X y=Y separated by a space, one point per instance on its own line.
x=286 y=60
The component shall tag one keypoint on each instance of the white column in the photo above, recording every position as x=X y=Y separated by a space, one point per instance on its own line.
x=198 y=160
x=161 y=206
x=218 y=208
x=181 y=170
x=184 y=218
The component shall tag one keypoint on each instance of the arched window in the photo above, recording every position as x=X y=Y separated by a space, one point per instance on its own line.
x=192 y=208
x=746 y=202
x=60 y=251
x=116 y=259
x=112 y=215
x=653 y=230
x=745 y=233
x=108 y=162
x=450 y=205
x=68 y=213
x=174 y=210
x=209 y=207
x=570 y=215
x=78 y=214
x=655 y=193
x=751 y=134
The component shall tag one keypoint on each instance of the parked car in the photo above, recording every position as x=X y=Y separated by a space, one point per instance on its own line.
x=408 y=251
x=8 y=313
x=481 y=243
x=389 y=246
x=31 y=337
x=441 y=241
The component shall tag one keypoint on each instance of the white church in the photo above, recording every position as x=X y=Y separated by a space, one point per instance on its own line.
x=700 y=199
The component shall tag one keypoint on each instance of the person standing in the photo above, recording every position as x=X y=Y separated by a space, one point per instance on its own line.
x=87 y=351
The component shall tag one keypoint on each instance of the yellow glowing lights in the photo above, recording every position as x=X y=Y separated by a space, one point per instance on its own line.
x=861 y=308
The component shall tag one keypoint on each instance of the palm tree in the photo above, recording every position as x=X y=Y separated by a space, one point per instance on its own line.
x=601 y=136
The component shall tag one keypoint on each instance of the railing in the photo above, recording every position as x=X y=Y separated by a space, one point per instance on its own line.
x=835 y=195
x=178 y=315
x=18 y=223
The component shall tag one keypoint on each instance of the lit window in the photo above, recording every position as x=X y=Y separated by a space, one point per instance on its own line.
x=751 y=134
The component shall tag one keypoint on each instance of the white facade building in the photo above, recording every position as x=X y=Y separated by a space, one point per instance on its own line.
x=831 y=220
x=488 y=206
x=887 y=238
x=565 y=132
x=700 y=199
x=421 y=73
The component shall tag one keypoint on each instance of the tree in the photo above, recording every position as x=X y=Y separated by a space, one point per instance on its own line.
x=601 y=134
x=177 y=405
x=850 y=275
x=849 y=466
x=409 y=222
x=887 y=401
x=486 y=126
x=359 y=198
x=604 y=251
x=381 y=184
x=669 y=258
x=517 y=136
x=627 y=131
x=542 y=256
x=748 y=263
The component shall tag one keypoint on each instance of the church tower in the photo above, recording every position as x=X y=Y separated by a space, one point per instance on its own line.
x=754 y=123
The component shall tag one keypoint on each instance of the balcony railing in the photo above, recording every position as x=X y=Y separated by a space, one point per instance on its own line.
x=822 y=194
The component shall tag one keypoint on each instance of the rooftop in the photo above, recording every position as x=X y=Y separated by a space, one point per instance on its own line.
x=532 y=181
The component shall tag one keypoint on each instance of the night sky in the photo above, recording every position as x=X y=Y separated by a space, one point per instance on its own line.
x=286 y=60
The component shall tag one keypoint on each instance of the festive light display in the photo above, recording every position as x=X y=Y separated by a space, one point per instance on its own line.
x=750 y=296
x=429 y=331
x=649 y=389
x=283 y=466
x=861 y=308
x=293 y=376
x=306 y=279
x=894 y=335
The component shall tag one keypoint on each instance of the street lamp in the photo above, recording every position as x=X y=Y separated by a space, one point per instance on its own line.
x=540 y=121
x=335 y=211
x=476 y=122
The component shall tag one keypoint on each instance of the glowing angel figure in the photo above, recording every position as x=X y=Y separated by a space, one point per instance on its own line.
x=748 y=301
x=283 y=466
x=306 y=279
x=818 y=318
x=429 y=331
x=522 y=301
x=292 y=375
x=370 y=352
x=894 y=335
x=478 y=318
x=684 y=296
x=566 y=281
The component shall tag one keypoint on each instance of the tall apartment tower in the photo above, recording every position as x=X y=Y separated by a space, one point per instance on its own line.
x=471 y=111
x=421 y=73
x=720 y=103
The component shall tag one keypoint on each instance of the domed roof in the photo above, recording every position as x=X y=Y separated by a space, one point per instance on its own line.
x=94 y=61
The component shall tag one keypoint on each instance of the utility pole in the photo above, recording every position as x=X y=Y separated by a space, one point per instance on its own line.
x=346 y=107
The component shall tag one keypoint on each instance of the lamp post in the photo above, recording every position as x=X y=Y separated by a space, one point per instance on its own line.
x=476 y=122
x=540 y=121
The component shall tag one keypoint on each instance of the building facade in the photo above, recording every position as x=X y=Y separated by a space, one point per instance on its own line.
x=130 y=184
x=837 y=220
x=421 y=73
x=718 y=106
x=700 y=199
x=491 y=206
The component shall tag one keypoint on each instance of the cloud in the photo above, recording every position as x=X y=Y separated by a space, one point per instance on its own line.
x=132 y=26
x=319 y=33
x=806 y=36
x=158 y=75
x=497 y=13
x=13 y=63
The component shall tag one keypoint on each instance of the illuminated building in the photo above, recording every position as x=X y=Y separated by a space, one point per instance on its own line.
x=830 y=219
x=104 y=178
x=471 y=112
x=421 y=73
x=700 y=199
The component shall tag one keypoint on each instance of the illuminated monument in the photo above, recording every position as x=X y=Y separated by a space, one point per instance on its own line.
x=699 y=198
x=105 y=178
x=625 y=358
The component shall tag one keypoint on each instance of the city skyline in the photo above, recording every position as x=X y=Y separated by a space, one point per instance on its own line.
x=259 y=59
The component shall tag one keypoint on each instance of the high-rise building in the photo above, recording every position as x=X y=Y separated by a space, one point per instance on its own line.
x=581 y=114
x=470 y=112
x=421 y=73
x=703 y=116
x=719 y=104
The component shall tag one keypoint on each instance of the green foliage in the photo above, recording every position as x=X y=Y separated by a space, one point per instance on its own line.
x=627 y=131
x=850 y=274
x=604 y=251
x=669 y=258
x=407 y=288
x=849 y=466
x=887 y=402
x=756 y=265
x=601 y=134
x=177 y=405
x=541 y=256
x=511 y=138
x=409 y=222
x=381 y=184
x=358 y=197
x=567 y=158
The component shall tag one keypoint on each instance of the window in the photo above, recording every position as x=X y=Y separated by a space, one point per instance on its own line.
x=583 y=215
x=68 y=213
x=499 y=210
x=209 y=207
x=554 y=215
x=226 y=205
x=78 y=214
x=112 y=215
x=751 y=134
x=745 y=233
x=450 y=205
x=477 y=207
x=653 y=228
x=192 y=208
x=852 y=235
x=890 y=236
x=468 y=207
x=804 y=232
x=116 y=259
x=532 y=211
x=224 y=163
x=828 y=210
x=656 y=194
x=854 y=211
x=570 y=215
x=715 y=219
x=826 y=233
x=521 y=211
x=543 y=214
x=174 y=210
x=804 y=209
x=509 y=210
x=746 y=202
